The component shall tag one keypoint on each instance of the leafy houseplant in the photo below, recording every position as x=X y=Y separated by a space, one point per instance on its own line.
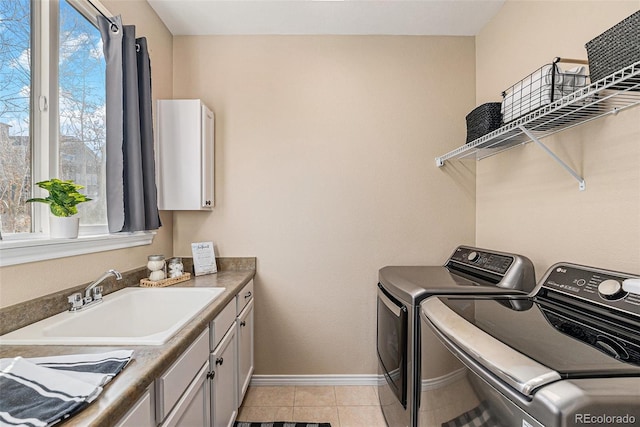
x=63 y=199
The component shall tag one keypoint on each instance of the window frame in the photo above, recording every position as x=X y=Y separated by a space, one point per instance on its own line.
x=20 y=248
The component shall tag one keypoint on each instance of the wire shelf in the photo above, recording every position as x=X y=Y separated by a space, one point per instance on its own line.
x=614 y=93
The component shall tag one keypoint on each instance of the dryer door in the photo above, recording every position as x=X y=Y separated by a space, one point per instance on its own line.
x=392 y=343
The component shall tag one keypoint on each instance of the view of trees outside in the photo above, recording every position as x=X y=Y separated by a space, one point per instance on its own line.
x=15 y=145
x=81 y=84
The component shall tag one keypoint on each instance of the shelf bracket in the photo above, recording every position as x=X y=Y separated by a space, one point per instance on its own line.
x=581 y=183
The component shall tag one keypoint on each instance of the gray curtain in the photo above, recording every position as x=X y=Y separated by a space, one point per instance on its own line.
x=131 y=187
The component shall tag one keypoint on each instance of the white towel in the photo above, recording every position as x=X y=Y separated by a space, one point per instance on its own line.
x=96 y=369
x=34 y=394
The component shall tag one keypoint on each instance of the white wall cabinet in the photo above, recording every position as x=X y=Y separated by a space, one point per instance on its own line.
x=185 y=155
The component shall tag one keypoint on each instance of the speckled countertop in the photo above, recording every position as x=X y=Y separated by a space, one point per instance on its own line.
x=148 y=362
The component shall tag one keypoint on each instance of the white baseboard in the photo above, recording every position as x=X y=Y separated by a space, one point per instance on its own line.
x=308 y=380
x=333 y=380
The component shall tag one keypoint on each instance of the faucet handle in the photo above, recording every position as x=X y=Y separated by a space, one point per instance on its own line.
x=97 y=293
x=76 y=301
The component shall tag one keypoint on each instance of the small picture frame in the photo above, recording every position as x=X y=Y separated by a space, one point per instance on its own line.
x=204 y=258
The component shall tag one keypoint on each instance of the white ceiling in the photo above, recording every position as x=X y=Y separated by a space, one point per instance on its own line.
x=363 y=17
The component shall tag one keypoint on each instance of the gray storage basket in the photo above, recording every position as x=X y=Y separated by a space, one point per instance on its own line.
x=615 y=49
x=482 y=120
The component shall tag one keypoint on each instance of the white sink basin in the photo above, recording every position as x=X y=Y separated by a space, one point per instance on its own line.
x=131 y=316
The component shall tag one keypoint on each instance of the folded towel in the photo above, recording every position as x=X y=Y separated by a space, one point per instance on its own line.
x=34 y=394
x=96 y=369
x=572 y=79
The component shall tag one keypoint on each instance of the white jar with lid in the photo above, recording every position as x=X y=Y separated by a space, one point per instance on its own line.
x=156 y=267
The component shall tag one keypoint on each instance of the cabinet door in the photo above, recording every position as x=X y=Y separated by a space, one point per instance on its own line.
x=171 y=385
x=224 y=405
x=193 y=409
x=208 y=159
x=244 y=296
x=245 y=350
x=141 y=415
x=184 y=155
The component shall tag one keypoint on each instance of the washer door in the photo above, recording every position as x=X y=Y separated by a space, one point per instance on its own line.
x=392 y=343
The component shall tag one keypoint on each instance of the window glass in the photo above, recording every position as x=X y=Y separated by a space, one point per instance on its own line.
x=76 y=145
x=15 y=140
x=81 y=97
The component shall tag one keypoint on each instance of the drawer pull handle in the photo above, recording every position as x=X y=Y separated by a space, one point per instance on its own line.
x=243 y=323
x=219 y=361
x=248 y=295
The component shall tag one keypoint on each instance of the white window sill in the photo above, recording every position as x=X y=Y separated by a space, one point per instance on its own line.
x=41 y=247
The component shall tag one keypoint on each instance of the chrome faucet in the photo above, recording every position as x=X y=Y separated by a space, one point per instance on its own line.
x=92 y=293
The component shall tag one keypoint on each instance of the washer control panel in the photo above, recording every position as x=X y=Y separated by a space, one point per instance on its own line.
x=476 y=258
x=602 y=287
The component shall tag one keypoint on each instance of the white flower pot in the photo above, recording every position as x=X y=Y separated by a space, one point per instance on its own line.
x=64 y=227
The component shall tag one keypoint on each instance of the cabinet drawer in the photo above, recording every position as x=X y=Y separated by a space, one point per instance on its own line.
x=221 y=324
x=244 y=296
x=176 y=379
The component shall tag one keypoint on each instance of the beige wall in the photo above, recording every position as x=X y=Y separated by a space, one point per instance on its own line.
x=325 y=171
x=525 y=201
x=23 y=282
x=325 y=152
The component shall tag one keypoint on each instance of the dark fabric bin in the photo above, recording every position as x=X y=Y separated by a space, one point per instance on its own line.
x=615 y=49
x=483 y=119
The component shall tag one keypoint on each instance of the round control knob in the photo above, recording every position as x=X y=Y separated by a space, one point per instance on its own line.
x=473 y=256
x=610 y=289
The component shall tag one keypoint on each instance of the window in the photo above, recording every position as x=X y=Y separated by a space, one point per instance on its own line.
x=15 y=121
x=51 y=125
x=81 y=103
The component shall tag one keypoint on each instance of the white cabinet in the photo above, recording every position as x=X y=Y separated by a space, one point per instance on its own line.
x=244 y=323
x=185 y=155
x=182 y=394
x=223 y=365
x=193 y=409
x=141 y=415
x=206 y=384
x=223 y=382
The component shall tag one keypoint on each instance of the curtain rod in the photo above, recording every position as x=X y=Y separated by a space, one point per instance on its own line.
x=114 y=26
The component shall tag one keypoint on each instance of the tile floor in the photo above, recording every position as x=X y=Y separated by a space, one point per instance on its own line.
x=352 y=406
x=342 y=406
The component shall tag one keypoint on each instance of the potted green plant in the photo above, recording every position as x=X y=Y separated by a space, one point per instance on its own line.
x=63 y=199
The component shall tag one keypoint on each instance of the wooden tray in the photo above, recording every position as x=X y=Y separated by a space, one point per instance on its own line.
x=146 y=283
